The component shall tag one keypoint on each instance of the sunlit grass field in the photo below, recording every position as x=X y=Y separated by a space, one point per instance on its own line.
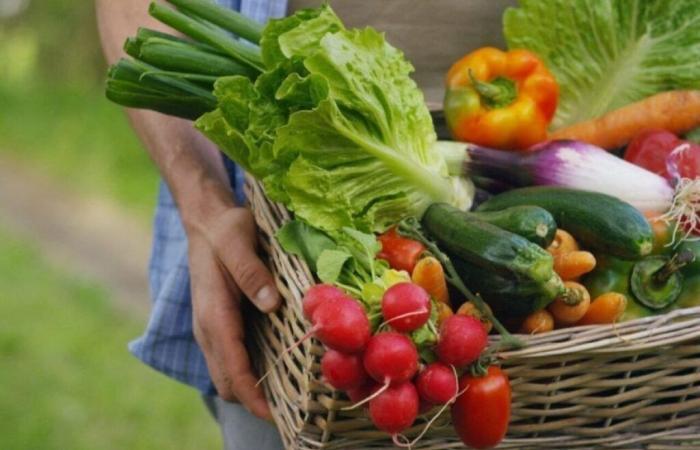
x=67 y=379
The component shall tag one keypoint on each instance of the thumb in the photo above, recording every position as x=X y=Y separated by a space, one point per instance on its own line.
x=251 y=275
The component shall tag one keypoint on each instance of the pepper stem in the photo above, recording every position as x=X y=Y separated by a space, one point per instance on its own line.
x=495 y=94
x=677 y=262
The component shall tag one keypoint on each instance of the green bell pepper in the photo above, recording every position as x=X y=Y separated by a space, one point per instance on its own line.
x=613 y=275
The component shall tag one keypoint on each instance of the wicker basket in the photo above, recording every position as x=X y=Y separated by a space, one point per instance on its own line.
x=632 y=385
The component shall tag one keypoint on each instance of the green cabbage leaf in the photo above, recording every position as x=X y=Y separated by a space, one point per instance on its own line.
x=609 y=53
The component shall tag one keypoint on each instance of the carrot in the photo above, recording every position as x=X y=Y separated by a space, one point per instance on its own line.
x=606 y=308
x=662 y=230
x=675 y=111
x=563 y=242
x=571 y=265
x=469 y=309
x=538 y=322
x=444 y=311
x=571 y=307
x=429 y=275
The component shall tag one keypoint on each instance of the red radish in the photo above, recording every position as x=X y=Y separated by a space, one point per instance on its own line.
x=318 y=294
x=424 y=406
x=395 y=409
x=437 y=383
x=406 y=306
x=341 y=325
x=343 y=371
x=462 y=339
x=684 y=161
x=391 y=358
x=359 y=394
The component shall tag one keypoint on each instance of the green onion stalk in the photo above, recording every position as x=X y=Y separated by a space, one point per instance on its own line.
x=175 y=75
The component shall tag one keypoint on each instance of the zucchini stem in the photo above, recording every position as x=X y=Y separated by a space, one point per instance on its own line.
x=411 y=228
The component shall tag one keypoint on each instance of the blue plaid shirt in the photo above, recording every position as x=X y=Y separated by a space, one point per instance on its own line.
x=168 y=343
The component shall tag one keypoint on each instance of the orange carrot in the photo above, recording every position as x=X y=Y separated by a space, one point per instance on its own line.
x=663 y=231
x=606 y=308
x=571 y=265
x=571 y=307
x=563 y=242
x=444 y=311
x=429 y=275
x=469 y=309
x=674 y=111
x=538 y=322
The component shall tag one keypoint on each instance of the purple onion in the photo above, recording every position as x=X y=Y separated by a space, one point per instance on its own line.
x=575 y=165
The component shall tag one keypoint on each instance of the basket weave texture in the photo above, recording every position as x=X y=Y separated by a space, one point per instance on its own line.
x=634 y=385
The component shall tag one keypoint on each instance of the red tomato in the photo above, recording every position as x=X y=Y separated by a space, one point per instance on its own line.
x=481 y=414
x=401 y=253
x=650 y=148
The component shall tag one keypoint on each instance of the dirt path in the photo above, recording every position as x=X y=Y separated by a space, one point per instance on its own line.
x=86 y=235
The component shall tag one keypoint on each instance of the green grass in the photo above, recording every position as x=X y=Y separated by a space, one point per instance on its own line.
x=76 y=136
x=67 y=379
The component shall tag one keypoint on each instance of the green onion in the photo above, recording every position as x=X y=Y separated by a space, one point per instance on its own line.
x=217 y=38
x=209 y=80
x=227 y=19
x=134 y=95
x=138 y=85
x=143 y=34
x=179 y=57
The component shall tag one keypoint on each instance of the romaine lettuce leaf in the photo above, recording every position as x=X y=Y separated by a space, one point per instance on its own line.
x=608 y=53
x=335 y=127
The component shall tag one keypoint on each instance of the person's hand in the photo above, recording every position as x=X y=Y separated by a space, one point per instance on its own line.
x=224 y=267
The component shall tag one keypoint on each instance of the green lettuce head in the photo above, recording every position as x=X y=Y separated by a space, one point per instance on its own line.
x=335 y=127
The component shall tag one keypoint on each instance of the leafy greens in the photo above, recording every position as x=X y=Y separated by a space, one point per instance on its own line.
x=608 y=53
x=334 y=127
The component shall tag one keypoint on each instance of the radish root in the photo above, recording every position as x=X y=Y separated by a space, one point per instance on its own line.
x=684 y=211
x=369 y=397
x=409 y=444
x=402 y=316
x=284 y=352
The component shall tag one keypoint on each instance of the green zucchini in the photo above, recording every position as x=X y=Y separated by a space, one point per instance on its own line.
x=531 y=222
x=598 y=221
x=508 y=296
x=494 y=251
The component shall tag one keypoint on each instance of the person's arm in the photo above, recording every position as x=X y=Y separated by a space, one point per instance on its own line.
x=221 y=236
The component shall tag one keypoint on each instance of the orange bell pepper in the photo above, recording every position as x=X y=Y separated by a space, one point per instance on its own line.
x=500 y=99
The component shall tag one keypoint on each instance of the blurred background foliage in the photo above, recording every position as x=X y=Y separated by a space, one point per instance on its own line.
x=53 y=111
x=67 y=379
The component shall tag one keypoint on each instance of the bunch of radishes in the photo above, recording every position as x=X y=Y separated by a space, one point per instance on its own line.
x=384 y=369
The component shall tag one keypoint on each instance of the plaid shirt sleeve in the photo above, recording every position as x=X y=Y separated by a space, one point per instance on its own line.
x=168 y=343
